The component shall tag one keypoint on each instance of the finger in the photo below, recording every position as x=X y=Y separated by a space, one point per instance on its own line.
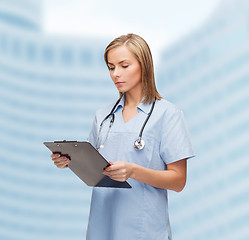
x=64 y=166
x=53 y=155
x=113 y=167
x=121 y=176
x=60 y=159
x=116 y=169
x=61 y=163
x=120 y=179
x=115 y=174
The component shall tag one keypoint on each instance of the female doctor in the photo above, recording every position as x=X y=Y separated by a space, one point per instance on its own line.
x=147 y=143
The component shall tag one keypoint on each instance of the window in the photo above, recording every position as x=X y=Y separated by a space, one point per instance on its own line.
x=86 y=58
x=67 y=56
x=48 y=54
x=31 y=51
x=3 y=43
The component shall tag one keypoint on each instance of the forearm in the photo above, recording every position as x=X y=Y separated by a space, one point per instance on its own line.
x=174 y=178
x=167 y=179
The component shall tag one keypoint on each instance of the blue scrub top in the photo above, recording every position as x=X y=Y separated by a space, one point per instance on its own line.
x=142 y=211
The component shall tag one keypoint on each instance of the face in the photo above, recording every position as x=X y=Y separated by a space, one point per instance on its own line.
x=125 y=70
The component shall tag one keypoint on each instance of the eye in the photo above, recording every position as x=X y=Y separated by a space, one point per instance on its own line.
x=110 y=68
x=125 y=66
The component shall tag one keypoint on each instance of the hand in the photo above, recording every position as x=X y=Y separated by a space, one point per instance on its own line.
x=60 y=161
x=119 y=171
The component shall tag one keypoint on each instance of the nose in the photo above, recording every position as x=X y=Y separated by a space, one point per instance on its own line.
x=116 y=72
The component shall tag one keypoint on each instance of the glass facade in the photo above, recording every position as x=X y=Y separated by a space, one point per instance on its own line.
x=50 y=88
x=206 y=75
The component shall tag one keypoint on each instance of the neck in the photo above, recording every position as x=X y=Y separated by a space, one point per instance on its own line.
x=132 y=100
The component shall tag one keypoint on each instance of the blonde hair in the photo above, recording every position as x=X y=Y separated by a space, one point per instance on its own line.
x=139 y=47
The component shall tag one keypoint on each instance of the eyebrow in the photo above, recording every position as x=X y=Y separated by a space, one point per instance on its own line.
x=119 y=62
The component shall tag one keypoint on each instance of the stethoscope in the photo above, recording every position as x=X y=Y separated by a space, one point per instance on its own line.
x=139 y=143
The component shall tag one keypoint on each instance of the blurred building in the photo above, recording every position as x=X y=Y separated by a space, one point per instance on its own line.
x=50 y=88
x=207 y=75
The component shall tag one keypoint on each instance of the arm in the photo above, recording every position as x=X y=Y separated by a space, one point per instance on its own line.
x=174 y=178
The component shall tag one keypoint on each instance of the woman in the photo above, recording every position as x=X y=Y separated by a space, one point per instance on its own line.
x=142 y=211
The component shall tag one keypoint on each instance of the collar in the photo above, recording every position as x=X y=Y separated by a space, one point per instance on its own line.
x=144 y=107
x=141 y=106
x=120 y=104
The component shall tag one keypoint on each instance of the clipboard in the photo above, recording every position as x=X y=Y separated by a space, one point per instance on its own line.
x=86 y=162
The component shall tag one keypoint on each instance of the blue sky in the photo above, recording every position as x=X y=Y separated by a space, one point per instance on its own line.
x=160 y=22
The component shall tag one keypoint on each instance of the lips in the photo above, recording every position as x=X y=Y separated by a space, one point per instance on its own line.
x=119 y=83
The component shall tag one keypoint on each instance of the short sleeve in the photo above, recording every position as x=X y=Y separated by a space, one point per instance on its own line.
x=93 y=133
x=175 y=140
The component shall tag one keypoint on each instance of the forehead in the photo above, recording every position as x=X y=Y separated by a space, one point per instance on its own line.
x=119 y=54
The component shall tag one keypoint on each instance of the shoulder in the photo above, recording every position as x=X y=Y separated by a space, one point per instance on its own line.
x=165 y=107
x=168 y=114
x=171 y=117
x=103 y=111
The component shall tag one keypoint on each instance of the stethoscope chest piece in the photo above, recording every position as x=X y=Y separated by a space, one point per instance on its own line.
x=139 y=144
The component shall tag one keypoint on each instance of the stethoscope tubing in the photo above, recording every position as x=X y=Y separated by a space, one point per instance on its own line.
x=139 y=143
x=146 y=120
